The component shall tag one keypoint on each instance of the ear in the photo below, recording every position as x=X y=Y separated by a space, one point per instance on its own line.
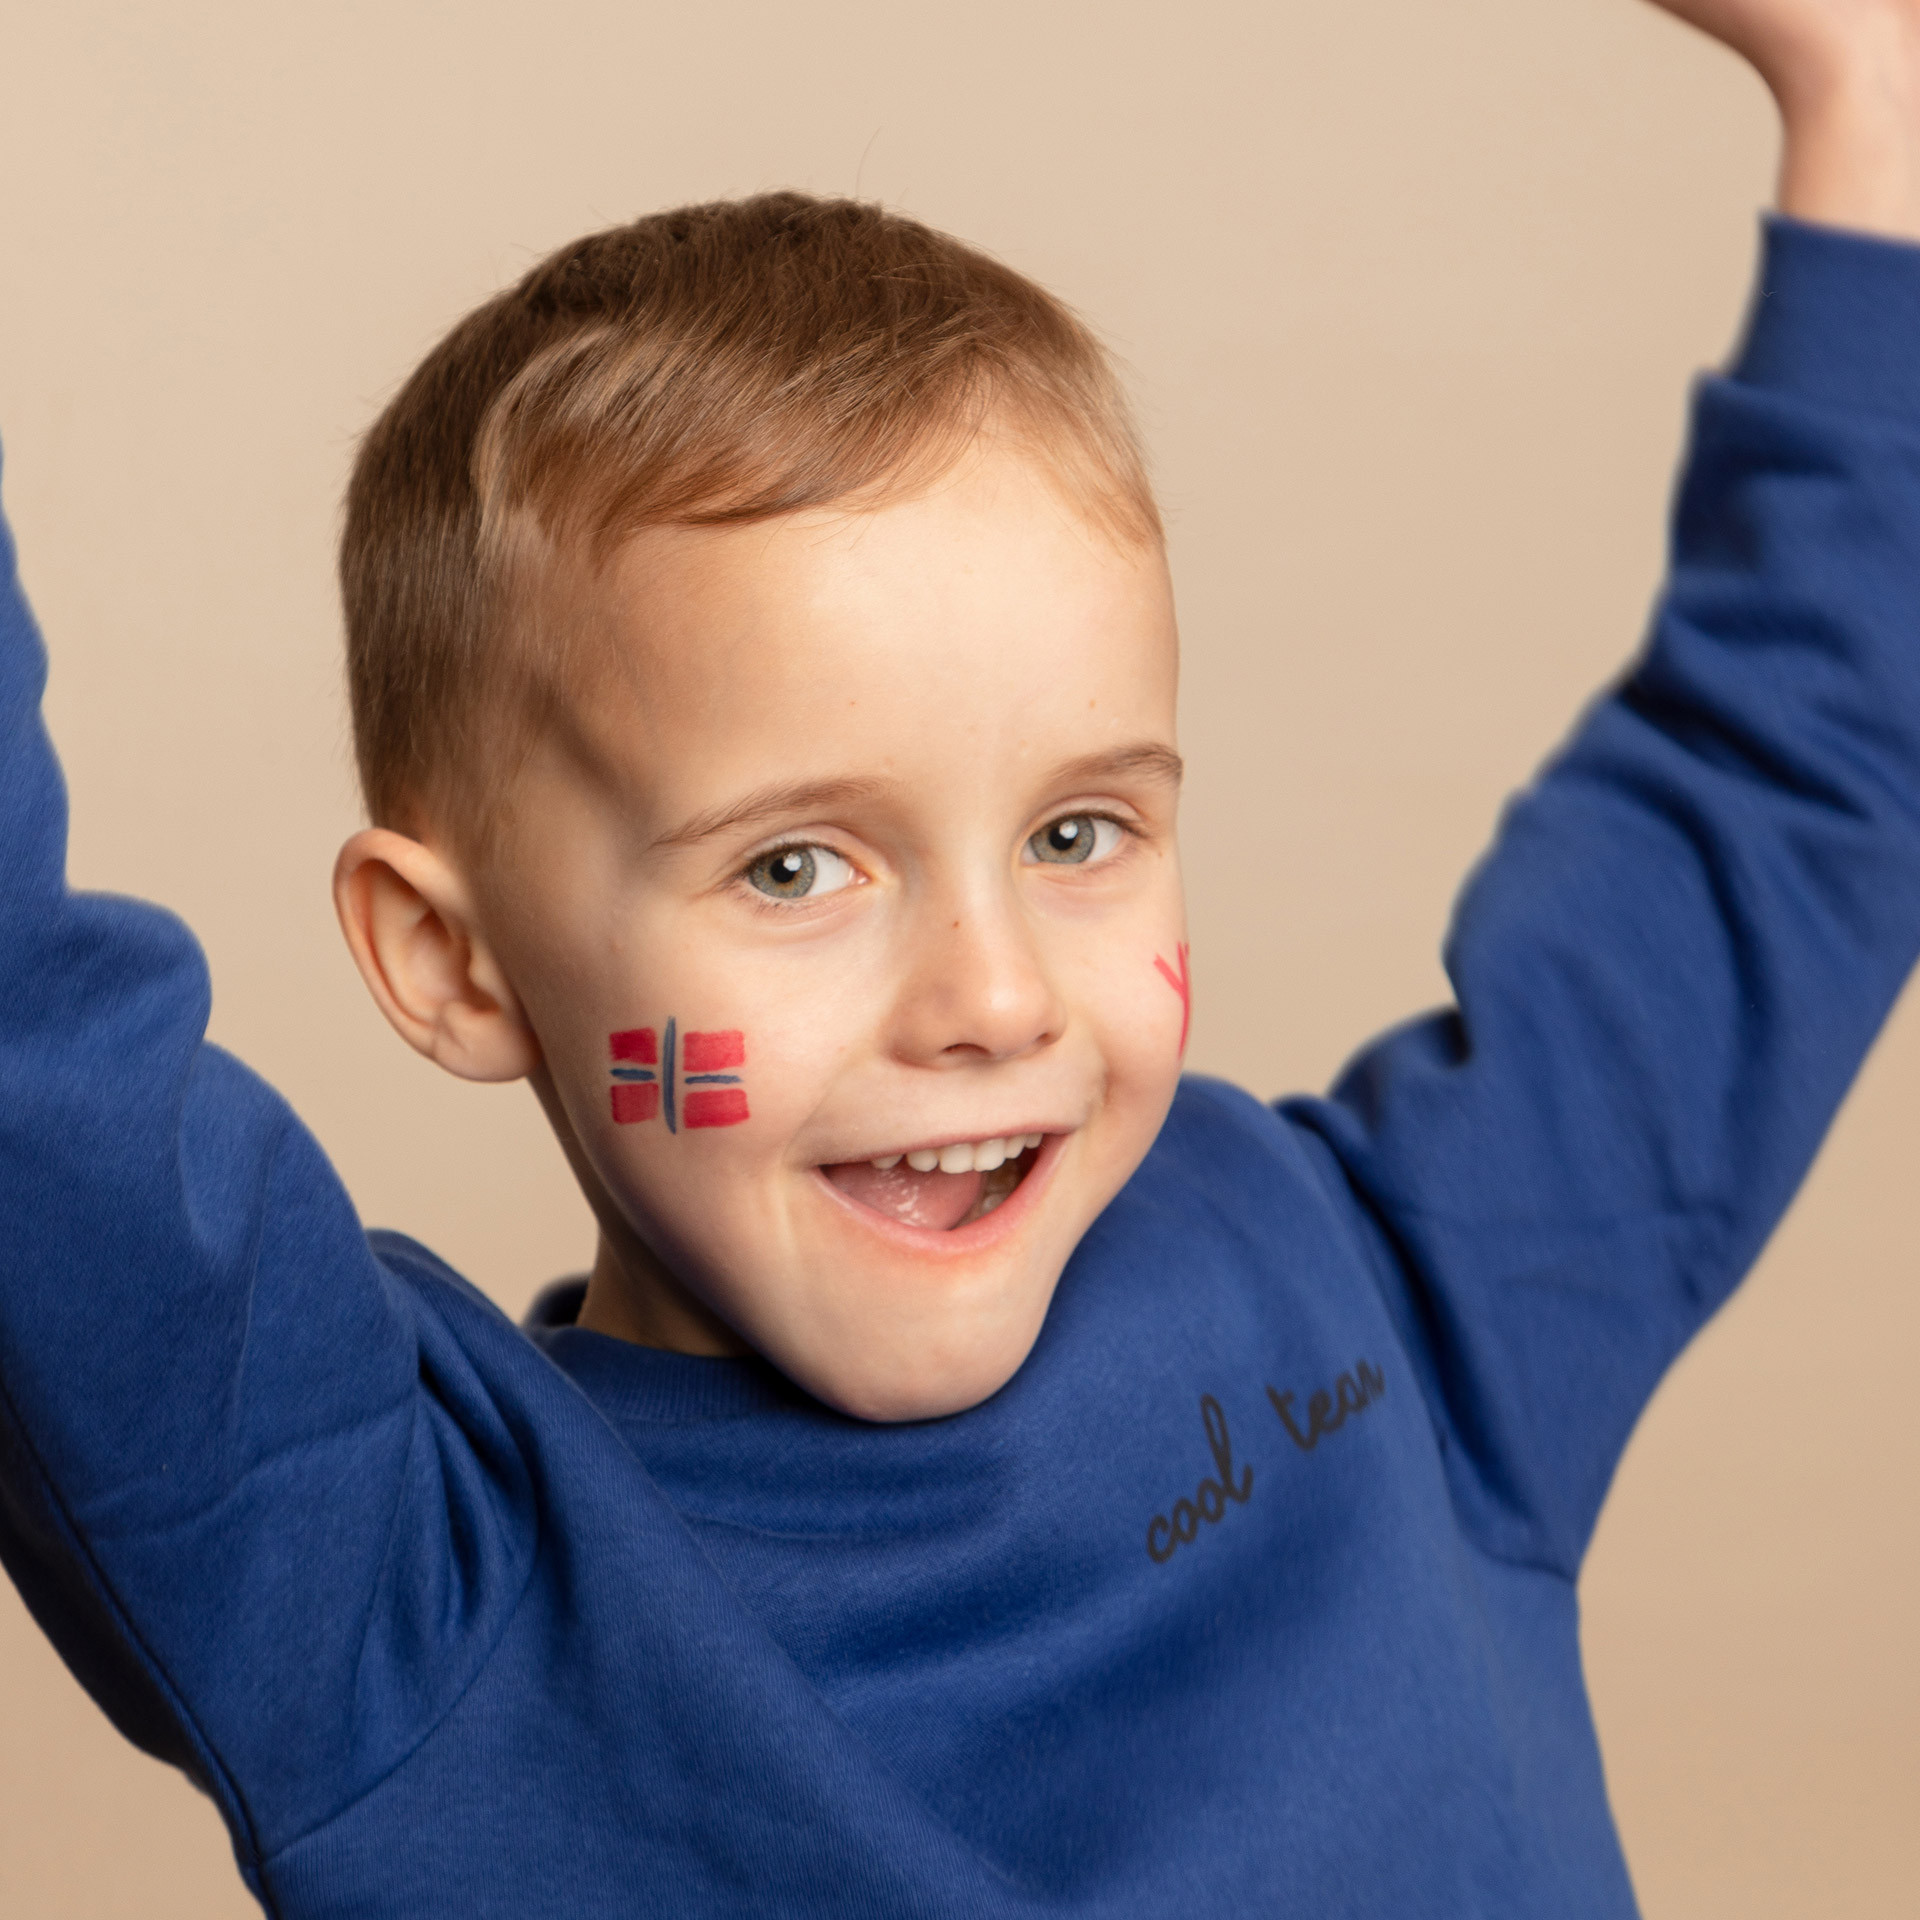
x=409 y=920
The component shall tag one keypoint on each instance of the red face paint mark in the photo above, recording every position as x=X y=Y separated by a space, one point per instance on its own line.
x=713 y=1052
x=637 y=1044
x=632 y=1103
x=714 y=1107
x=1182 y=984
x=636 y=1081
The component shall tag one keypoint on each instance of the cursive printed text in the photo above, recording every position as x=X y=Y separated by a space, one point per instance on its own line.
x=1327 y=1412
x=1168 y=1533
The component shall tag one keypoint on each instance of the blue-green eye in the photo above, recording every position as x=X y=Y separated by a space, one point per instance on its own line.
x=1073 y=840
x=799 y=873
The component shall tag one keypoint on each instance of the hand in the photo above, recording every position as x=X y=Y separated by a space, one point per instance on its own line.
x=1846 y=75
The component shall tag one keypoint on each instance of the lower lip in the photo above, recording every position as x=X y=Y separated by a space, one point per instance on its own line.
x=958 y=1242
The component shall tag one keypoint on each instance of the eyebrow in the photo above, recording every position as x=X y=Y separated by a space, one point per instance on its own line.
x=786 y=797
x=1146 y=759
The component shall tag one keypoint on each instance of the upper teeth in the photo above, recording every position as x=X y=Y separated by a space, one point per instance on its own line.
x=964 y=1156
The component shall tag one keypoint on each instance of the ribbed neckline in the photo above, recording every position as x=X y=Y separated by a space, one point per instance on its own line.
x=649 y=1384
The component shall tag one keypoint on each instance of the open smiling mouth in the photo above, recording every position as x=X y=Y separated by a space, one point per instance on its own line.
x=939 y=1187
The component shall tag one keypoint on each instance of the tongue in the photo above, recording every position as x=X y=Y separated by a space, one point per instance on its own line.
x=936 y=1200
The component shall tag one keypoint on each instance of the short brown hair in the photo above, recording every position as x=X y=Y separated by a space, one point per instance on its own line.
x=714 y=364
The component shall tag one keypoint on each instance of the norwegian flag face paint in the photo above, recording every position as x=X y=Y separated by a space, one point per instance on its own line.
x=685 y=1078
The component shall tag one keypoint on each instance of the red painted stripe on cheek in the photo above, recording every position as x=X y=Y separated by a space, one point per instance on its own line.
x=633 y=1102
x=713 y=1052
x=636 y=1044
x=1182 y=984
x=714 y=1106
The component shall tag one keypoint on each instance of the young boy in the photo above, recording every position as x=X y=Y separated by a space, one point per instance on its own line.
x=980 y=1475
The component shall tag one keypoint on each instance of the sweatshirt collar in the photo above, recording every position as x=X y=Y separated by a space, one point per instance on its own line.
x=629 y=1382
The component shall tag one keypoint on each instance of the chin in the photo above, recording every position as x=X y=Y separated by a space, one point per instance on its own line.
x=921 y=1371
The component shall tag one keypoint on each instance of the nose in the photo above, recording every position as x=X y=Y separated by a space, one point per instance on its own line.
x=976 y=987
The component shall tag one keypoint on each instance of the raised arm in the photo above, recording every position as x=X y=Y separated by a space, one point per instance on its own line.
x=1846 y=77
x=249 y=1482
x=1691 y=927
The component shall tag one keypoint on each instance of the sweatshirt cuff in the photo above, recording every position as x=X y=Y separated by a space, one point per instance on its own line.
x=1835 y=320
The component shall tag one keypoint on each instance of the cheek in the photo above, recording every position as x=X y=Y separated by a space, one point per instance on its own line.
x=1131 y=976
x=1138 y=1000
x=739 y=1069
x=684 y=1109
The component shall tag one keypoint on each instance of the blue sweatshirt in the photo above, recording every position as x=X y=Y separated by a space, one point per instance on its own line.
x=1254 y=1590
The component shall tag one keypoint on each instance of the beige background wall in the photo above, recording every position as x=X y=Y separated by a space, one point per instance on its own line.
x=1410 y=293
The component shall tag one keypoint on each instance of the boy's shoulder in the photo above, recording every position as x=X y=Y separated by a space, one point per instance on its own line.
x=478 y=1362
x=1226 y=1155
x=1237 y=1234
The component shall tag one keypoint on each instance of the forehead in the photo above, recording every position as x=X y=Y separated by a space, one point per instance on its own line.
x=981 y=627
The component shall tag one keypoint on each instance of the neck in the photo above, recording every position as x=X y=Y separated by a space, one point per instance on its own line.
x=631 y=1296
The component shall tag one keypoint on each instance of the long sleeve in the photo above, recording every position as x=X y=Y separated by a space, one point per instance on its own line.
x=1687 y=934
x=254 y=1493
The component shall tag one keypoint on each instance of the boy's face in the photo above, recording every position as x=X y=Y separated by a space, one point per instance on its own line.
x=861 y=850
